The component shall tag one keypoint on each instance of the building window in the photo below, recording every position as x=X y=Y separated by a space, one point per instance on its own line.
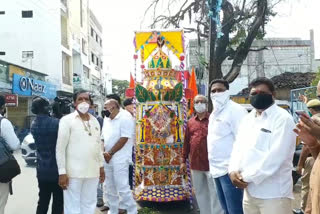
x=101 y=42
x=27 y=54
x=86 y=72
x=92 y=58
x=84 y=47
x=81 y=14
x=27 y=14
x=2 y=12
x=66 y=74
x=97 y=38
x=2 y=53
x=92 y=32
x=97 y=61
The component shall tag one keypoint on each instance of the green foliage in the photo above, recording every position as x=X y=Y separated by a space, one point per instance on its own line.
x=146 y=210
x=316 y=79
x=119 y=87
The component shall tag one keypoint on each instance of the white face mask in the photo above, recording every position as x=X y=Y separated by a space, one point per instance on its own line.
x=83 y=107
x=200 y=107
x=219 y=100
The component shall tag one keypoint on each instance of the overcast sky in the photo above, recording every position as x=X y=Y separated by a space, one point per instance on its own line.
x=120 y=19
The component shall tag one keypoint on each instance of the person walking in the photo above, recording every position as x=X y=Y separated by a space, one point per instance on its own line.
x=116 y=132
x=195 y=149
x=8 y=137
x=79 y=157
x=261 y=160
x=44 y=130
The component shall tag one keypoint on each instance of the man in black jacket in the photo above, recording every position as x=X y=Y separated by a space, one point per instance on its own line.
x=45 y=131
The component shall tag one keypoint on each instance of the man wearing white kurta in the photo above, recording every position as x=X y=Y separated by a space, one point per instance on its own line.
x=117 y=133
x=261 y=161
x=79 y=158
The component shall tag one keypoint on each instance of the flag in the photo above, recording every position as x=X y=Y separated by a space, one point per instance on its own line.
x=131 y=85
x=193 y=87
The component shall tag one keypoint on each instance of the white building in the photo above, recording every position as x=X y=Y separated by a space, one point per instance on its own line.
x=34 y=35
x=50 y=41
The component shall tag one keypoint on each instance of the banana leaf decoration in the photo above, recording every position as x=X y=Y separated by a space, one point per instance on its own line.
x=178 y=92
x=152 y=97
x=167 y=96
x=142 y=94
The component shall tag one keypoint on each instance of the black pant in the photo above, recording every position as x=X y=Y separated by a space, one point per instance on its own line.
x=46 y=189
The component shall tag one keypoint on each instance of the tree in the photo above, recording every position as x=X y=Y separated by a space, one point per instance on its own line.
x=119 y=87
x=242 y=21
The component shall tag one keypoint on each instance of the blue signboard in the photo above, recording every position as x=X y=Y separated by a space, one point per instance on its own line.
x=28 y=87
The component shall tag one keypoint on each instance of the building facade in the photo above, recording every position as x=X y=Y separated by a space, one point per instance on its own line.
x=50 y=41
x=279 y=56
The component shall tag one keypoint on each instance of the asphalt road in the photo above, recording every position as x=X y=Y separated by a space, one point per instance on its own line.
x=25 y=197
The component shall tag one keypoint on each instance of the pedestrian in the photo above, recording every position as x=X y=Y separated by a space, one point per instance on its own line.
x=8 y=137
x=117 y=130
x=129 y=107
x=306 y=161
x=92 y=111
x=308 y=131
x=122 y=206
x=195 y=149
x=261 y=161
x=223 y=127
x=44 y=130
x=79 y=157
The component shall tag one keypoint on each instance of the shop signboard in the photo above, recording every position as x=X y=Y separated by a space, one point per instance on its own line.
x=11 y=100
x=26 y=86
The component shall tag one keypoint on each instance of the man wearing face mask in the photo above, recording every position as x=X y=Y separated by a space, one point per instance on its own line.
x=117 y=131
x=261 y=161
x=223 y=128
x=79 y=157
x=195 y=148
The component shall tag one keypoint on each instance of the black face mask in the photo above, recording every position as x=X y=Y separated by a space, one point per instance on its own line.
x=261 y=101
x=106 y=113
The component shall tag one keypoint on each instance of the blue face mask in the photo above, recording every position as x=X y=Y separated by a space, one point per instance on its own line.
x=91 y=111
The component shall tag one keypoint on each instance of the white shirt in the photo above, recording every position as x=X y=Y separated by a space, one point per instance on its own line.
x=8 y=134
x=263 y=153
x=222 y=131
x=78 y=154
x=121 y=126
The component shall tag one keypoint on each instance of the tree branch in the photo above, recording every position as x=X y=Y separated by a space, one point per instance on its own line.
x=243 y=48
x=259 y=49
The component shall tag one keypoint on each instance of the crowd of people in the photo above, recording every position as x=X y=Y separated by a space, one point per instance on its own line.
x=240 y=162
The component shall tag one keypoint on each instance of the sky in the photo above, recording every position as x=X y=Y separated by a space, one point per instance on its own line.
x=120 y=19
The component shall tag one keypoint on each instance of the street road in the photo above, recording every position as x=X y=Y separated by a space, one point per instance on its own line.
x=25 y=197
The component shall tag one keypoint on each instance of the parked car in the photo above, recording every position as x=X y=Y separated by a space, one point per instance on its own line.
x=28 y=150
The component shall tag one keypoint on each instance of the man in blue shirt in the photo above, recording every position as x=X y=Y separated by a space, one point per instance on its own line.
x=44 y=130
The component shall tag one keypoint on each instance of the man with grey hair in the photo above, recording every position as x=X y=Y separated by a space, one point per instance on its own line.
x=116 y=132
x=195 y=148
